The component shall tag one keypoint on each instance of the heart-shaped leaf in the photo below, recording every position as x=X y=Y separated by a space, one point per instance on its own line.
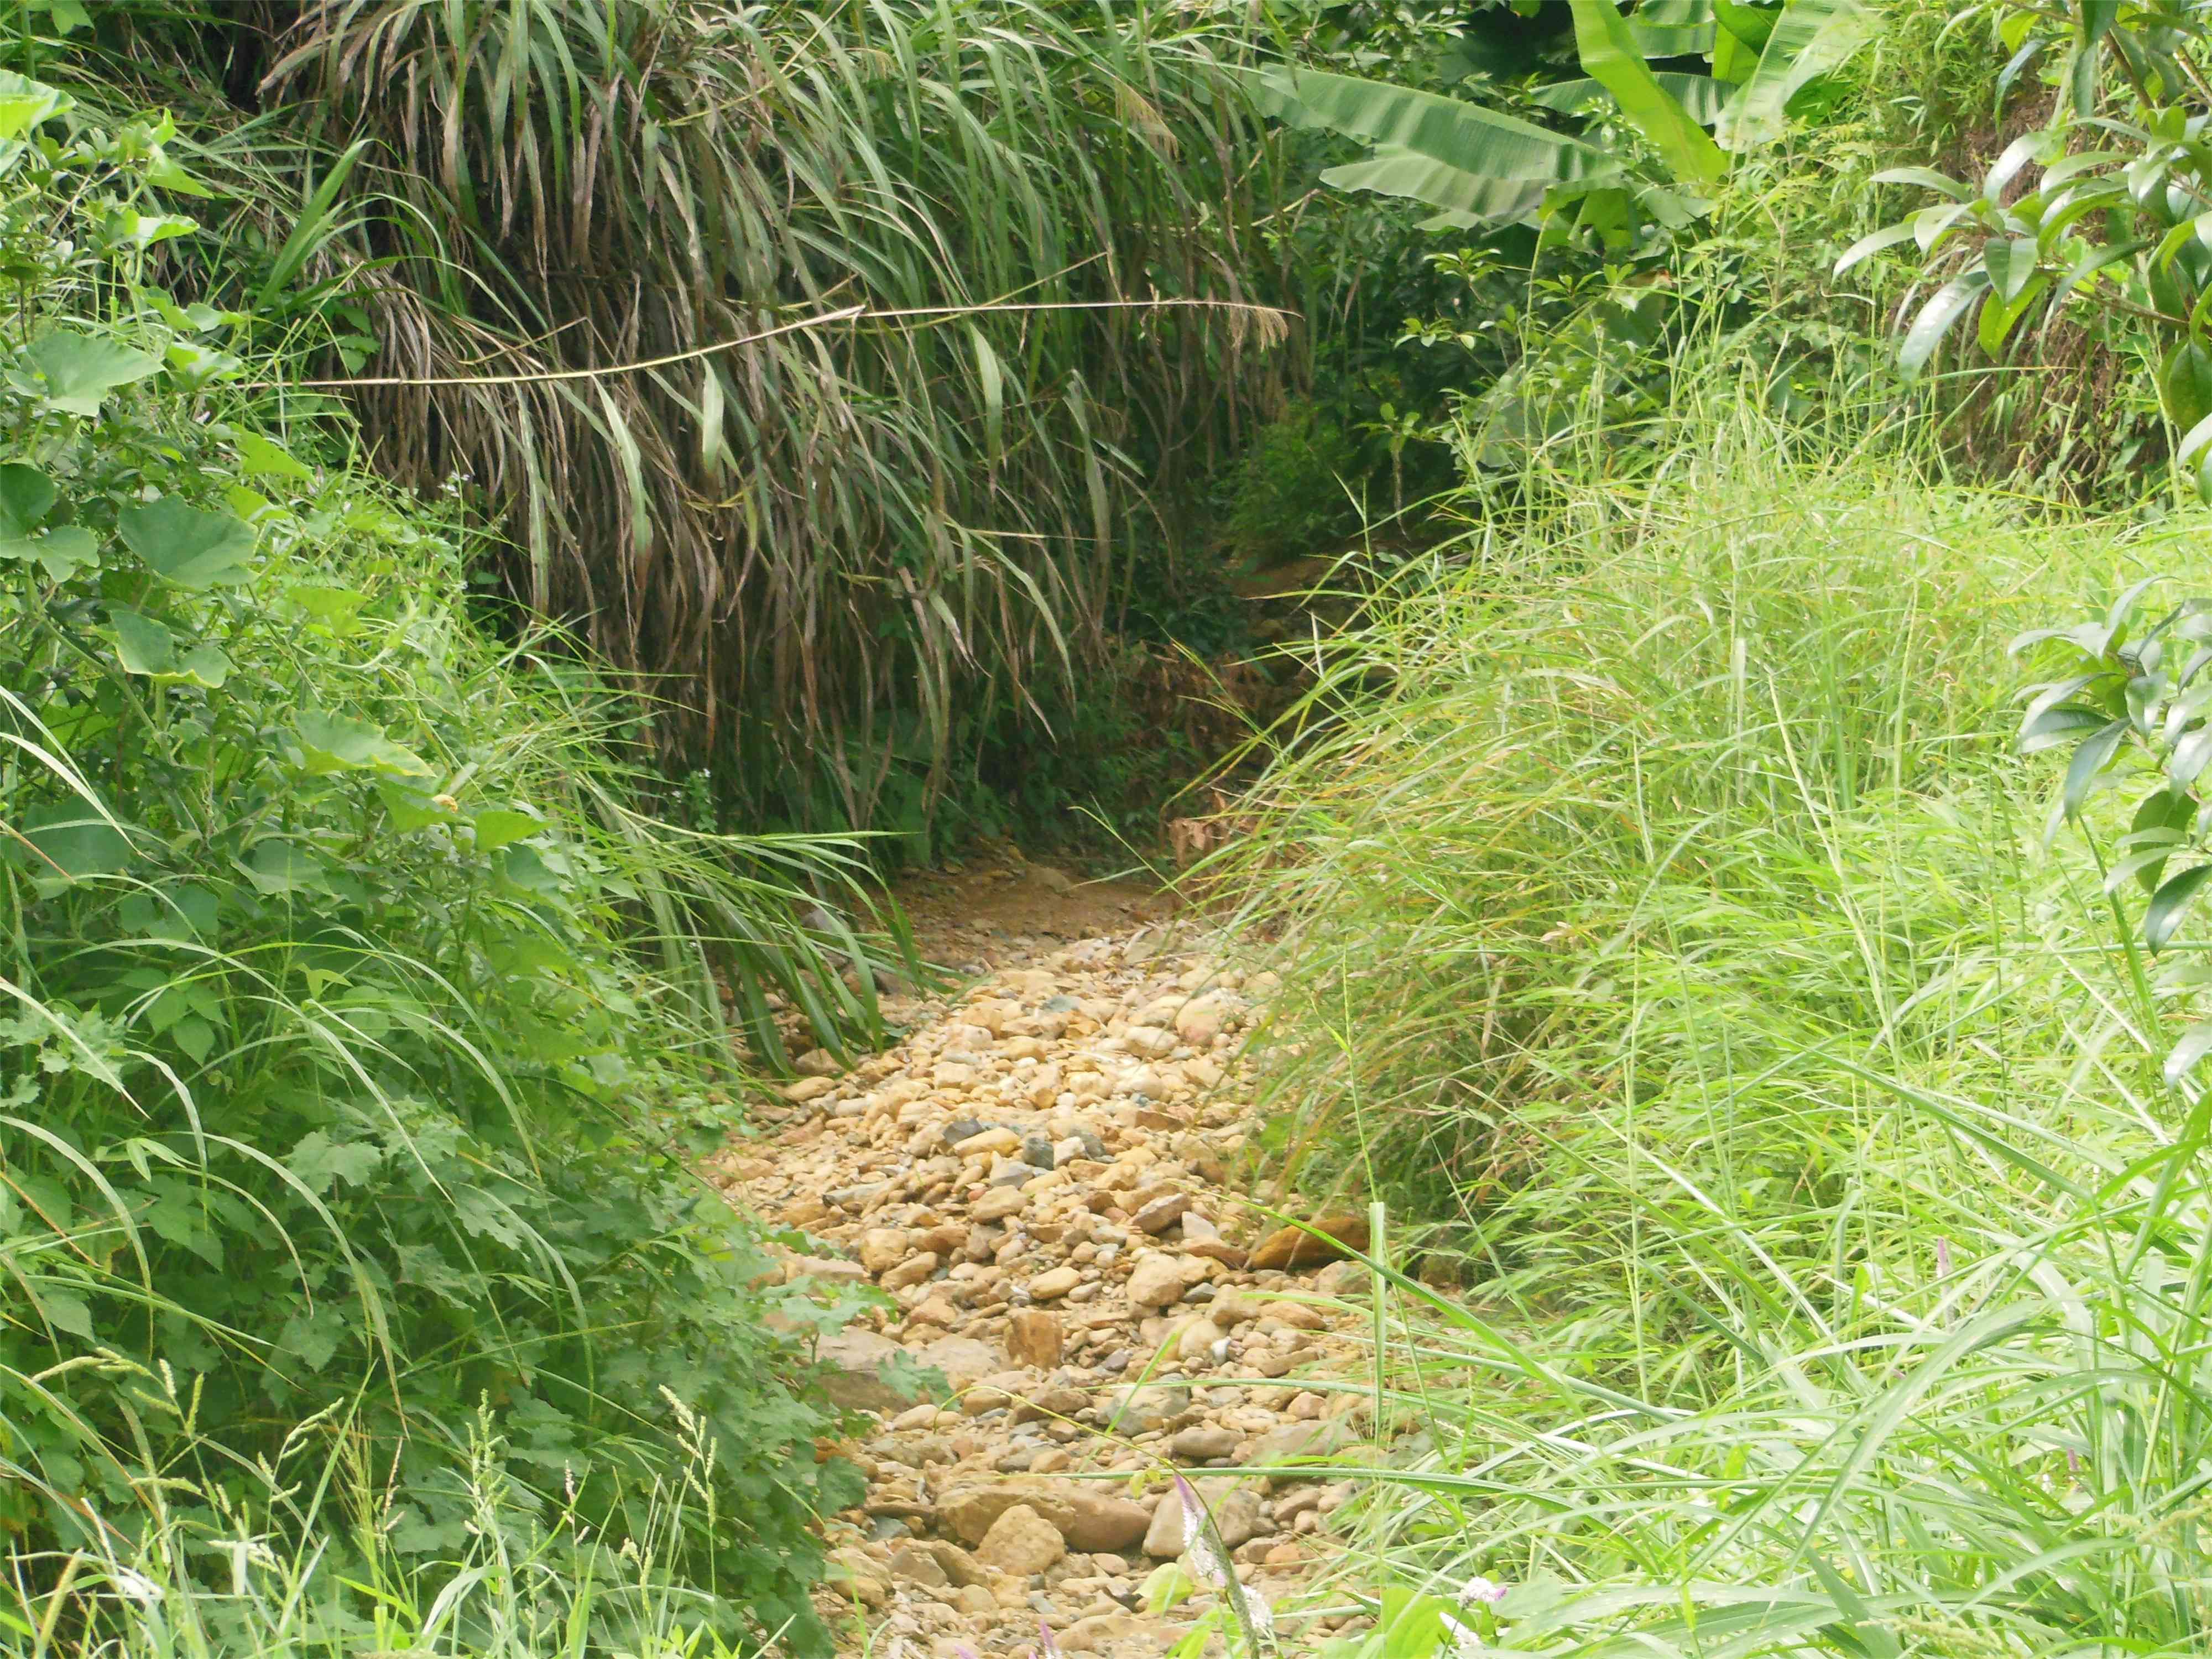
x=75 y=371
x=144 y=646
x=187 y=546
x=332 y=743
x=257 y=458
x=26 y=496
x=499 y=827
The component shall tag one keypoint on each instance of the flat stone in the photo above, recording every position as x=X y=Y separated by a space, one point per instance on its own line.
x=961 y=1358
x=882 y=1248
x=998 y=1204
x=853 y=1362
x=1203 y=1442
x=989 y=1141
x=1161 y=1213
x=1053 y=1283
x=1140 y=1409
x=1101 y=1630
x=915 y=1564
x=912 y=1271
x=1288 y=1249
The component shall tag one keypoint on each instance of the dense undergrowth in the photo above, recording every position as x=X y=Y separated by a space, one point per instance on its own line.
x=359 y=1023
x=1665 y=913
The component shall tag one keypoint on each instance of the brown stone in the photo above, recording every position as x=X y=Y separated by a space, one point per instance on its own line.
x=1033 y=1338
x=1161 y=1213
x=1288 y=1249
x=1021 y=1542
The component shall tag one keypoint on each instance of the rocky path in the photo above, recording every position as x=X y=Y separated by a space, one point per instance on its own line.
x=1041 y=1179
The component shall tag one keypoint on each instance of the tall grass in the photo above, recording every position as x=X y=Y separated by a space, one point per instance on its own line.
x=819 y=545
x=1665 y=921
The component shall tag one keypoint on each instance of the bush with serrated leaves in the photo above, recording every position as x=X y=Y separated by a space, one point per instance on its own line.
x=355 y=1026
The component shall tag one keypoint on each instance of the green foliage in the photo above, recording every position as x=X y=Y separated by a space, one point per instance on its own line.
x=1487 y=166
x=2092 y=218
x=1292 y=493
x=356 y=1019
x=813 y=539
x=1662 y=907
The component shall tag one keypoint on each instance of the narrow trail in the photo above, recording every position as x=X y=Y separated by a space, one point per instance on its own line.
x=1040 y=1178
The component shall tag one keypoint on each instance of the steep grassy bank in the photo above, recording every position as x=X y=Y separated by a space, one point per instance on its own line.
x=1667 y=921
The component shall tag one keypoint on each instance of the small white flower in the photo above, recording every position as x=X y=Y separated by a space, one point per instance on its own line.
x=1479 y=1588
x=1465 y=1644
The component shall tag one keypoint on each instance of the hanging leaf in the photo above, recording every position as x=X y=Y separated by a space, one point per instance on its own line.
x=74 y=371
x=1700 y=96
x=1611 y=57
x=187 y=547
x=1472 y=198
x=1936 y=318
x=1462 y=136
x=499 y=827
x=1812 y=38
x=2171 y=903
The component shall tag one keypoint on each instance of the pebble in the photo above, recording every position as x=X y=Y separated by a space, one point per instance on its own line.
x=1036 y=1177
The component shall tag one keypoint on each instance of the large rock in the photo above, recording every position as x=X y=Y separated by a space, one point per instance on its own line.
x=1288 y=1249
x=1021 y=1542
x=1141 y=1408
x=1101 y=1630
x=1236 y=1512
x=1317 y=1440
x=1087 y=1519
x=961 y=1358
x=1156 y=1280
x=882 y=1248
x=852 y=1363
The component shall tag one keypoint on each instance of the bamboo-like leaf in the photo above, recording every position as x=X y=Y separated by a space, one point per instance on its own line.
x=1611 y=57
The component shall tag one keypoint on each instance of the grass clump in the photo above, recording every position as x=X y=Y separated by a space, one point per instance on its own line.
x=1667 y=923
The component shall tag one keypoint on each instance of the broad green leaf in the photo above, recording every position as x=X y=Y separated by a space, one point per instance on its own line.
x=143 y=230
x=1700 y=96
x=331 y=608
x=75 y=371
x=2185 y=384
x=1611 y=57
x=1814 y=37
x=1470 y=198
x=24 y=103
x=2010 y=261
x=523 y=866
x=278 y=867
x=26 y=496
x=499 y=827
x=144 y=645
x=257 y=458
x=1867 y=246
x=1752 y=26
x=65 y=845
x=334 y=743
x=187 y=547
x=1462 y=135
x=2171 y=903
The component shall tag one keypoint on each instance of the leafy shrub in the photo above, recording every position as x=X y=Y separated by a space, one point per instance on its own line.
x=354 y=1014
